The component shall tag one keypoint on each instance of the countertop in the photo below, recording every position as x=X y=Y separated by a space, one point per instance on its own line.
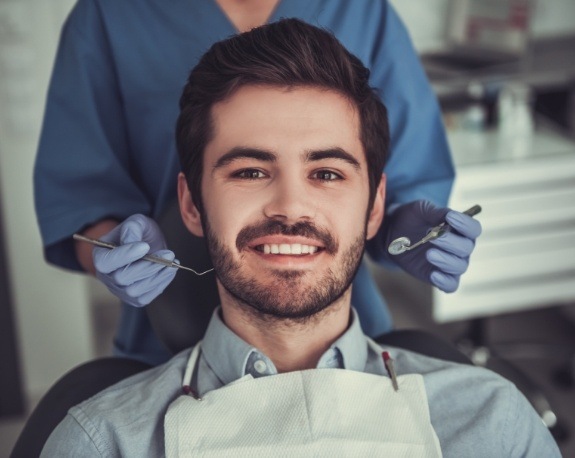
x=548 y=63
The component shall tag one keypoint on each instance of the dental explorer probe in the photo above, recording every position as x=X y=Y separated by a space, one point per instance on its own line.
x=148 y=257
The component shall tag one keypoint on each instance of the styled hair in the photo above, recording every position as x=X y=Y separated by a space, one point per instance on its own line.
x=288 y=53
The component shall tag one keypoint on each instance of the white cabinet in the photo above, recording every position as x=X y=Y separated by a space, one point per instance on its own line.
x=525 y=257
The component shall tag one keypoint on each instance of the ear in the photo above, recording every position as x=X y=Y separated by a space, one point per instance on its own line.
x=190 y=213
x=376 y=214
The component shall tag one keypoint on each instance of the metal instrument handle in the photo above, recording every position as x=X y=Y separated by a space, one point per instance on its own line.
x=147 y=257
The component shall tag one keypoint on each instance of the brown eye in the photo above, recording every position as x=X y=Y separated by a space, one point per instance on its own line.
x=249 y=174
x=326 y=175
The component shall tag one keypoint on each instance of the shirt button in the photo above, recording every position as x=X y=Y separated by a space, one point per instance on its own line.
x=260 y=366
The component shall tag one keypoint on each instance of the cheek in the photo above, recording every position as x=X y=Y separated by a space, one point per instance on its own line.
x=228 y=212
x=347 y=220
x=346 y=203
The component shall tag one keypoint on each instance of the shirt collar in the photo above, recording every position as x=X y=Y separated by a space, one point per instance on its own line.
x=228 y=355
x=225 y=352
x=352 y=346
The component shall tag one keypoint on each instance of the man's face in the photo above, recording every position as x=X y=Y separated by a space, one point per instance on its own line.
x=285 y=193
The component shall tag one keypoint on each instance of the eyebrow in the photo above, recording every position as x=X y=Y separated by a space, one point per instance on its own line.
x=240 y=152
x=332 y=153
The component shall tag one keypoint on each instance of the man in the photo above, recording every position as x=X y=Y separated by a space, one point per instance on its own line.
x=281 y=144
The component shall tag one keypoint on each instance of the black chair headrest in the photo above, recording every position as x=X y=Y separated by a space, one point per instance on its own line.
x=180 y=315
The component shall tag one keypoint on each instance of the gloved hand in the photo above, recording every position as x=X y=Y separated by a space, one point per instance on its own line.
x=442 y=261
x=136 y=282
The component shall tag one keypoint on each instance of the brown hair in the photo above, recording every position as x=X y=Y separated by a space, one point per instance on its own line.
x=286 y=53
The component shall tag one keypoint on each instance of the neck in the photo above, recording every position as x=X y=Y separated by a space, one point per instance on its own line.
x=247 y=14
x=291 y=345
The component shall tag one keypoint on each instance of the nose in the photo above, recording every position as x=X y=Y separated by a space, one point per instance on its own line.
x=289 y=201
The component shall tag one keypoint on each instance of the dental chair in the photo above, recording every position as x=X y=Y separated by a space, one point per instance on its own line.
x=178 y=326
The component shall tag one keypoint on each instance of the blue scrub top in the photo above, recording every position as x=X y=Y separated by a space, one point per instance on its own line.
x=107 y=147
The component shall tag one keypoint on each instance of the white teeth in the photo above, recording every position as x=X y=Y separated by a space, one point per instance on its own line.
x=286 y=248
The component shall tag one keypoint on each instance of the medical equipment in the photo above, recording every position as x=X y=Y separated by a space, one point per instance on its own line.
x=148 y=257
x=390 y=366
x=403 y=244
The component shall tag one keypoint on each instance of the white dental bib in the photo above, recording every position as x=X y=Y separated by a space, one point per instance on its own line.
x=311 y=413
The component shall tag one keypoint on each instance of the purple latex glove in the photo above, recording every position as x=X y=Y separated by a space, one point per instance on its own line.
x=136 y=282
x=442 y=261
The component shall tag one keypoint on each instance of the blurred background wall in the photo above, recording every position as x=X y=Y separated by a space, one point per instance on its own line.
x=426 y=20
x=50 y=306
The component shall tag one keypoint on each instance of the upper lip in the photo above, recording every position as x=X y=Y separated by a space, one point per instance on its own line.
x=284 y=239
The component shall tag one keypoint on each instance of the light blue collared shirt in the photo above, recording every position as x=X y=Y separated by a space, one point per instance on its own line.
x=225 y=357
x=475 y=412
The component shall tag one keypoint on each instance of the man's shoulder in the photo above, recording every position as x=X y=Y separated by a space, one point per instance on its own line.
x=458 y=390
x=441 y=375
x=135 y=399
x=125 y=419
x=473 y=408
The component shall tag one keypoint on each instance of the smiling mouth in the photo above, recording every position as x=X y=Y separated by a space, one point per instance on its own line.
x=288 y=249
